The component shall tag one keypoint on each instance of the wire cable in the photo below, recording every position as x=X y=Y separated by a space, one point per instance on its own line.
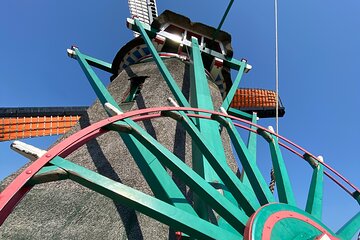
x=276 y=66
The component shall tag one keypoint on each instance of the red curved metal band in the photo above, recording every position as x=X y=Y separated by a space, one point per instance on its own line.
x=326 y=173
x=278 y=216
x=14 y=192
x=15 y=199
x=147 y=117
x=285 y=146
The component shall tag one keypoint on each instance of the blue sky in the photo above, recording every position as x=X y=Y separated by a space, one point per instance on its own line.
x=319 y=69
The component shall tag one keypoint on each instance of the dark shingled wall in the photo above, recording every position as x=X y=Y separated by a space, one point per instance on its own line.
x=66 y=210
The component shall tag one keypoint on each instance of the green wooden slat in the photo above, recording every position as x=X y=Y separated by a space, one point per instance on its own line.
x=158 y=179
x=100 y=90
x=47 y=169
x=251 y=145
x=179 y=96
x=240 y=114
x=315 y=196
x=234 y=216
x=244 y=196
x=201 y=98
x=105 y=66
x=257 y=180
x=157 y=209
x=350 y=228
x=232 y=91
x=48 y=174
x=132 y=94
x=154 y=173
x=199 y=87
x=282 y=179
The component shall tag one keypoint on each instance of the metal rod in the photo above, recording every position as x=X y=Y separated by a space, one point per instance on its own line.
x=277 y=66
x=223 y=19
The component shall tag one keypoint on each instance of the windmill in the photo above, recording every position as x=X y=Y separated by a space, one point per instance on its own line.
x=29 y=122
x=204 y=198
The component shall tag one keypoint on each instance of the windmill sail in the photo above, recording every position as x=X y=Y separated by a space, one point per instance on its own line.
x=30 y=122
x=144 y=10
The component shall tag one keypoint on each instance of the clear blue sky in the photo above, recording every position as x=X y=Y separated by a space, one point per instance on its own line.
x=319 y=69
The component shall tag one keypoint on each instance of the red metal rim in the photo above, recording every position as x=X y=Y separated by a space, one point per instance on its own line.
x=17 y=189
x=274 y=218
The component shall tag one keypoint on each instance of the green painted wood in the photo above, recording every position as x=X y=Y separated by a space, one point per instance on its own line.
x=48 y=174
x=350 y=228
x=232 y=91
x=144 y=137
x=105 y=66
x=132 y=93
x=199 y=87
x=179 y=96
x=234 y=216
x=180 y=115
x=283 y=185
x=256 y=179
x=315 y=196
x=47 y=169
x=200 y=97
x=157 y=209
x=287 y=228
x=295 y=230
x=158 y=179
x=251 y=146
x=244 y=196
x=240 y=114
x=156 y=176
x=100 y=90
